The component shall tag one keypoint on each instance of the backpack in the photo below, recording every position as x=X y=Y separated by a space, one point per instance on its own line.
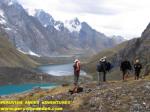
x=109 y=66
x=76 y=90
x=98 y=67
x=127 y=65
x=76 y=67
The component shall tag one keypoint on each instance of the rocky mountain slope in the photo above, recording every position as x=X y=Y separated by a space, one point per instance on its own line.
x=24 y=31
x=10 y=57
x=16 y=67
x=115 y=96
x=77 y=33
x=42 y=35
x=137 y=48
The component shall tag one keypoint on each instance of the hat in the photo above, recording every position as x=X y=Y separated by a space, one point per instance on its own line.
x=137 y=61
x=76 y=60
x=103 y=59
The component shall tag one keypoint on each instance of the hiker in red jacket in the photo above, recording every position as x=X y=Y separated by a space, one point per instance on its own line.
x=76 y=67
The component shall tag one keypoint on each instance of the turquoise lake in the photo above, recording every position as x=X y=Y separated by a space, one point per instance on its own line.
x=55 y=70
x=13 y=89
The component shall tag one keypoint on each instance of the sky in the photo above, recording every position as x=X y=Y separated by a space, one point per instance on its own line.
x=127 y=18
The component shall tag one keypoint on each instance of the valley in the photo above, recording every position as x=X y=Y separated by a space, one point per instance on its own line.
x=37 y=54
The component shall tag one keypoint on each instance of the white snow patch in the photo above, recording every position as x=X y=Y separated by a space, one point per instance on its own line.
x=34 y=54
x=29 y=52
x=21 y=51
x=2 y=21
x=2 y=13
x=2 y=17
x=9 y=29
x=31 y=12
x=10 y=3
x=57 y=27
x=72 y=26
x=45 y=25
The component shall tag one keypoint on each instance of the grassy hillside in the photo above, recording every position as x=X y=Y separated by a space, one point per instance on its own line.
x=131 y=50
x=90 y=66
x=112 y=96
x=10 y=57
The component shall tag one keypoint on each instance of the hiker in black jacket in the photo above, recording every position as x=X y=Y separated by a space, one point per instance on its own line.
x=125 y=67
x=102 y=67
x=137 y=69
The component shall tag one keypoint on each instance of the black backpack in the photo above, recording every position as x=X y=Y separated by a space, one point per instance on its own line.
x=98 y=67
x=109 y=66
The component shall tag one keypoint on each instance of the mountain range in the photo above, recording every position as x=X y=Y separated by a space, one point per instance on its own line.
x=41 y=35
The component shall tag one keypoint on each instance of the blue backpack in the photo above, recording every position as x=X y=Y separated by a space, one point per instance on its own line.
x=107 y=66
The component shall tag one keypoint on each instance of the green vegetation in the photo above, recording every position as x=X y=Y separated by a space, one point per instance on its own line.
x=90 y=65
x=111 y=96
x=10 y=57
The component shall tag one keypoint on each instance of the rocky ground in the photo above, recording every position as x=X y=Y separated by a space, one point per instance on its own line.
x=114 y=96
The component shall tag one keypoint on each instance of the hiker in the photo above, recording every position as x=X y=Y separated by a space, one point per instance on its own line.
x=125 y=67
x=76 y=67
x=137 y=69
x=102 y=67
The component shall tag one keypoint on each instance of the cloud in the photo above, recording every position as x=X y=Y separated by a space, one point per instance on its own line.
x=127 y=18
x=71 y=6
x=86 y=6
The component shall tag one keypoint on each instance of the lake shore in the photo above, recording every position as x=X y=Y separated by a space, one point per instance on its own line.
x=23 y=76
x=8 y=90
x=59 y=69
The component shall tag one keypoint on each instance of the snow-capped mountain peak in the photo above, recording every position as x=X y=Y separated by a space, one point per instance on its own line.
x=75 y=21
x=31 y=12
x=59 y=25
x=73 y=25
x=45 y=18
